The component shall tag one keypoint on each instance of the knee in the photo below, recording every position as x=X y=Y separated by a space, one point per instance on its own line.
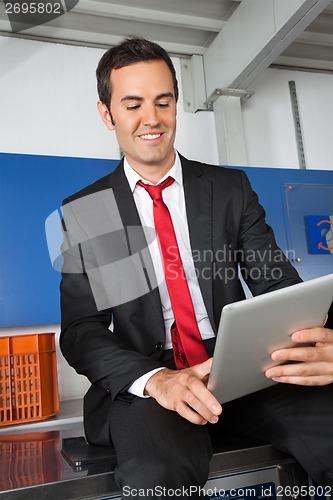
x=189 y=469
x=176 y=471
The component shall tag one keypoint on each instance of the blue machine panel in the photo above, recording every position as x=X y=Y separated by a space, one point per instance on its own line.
x=32 y=187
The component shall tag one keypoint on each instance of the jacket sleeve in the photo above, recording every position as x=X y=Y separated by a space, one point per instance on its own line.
x=89 y=344
x=263 y=264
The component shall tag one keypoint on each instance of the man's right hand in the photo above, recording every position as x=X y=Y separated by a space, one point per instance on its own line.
x=185 y=392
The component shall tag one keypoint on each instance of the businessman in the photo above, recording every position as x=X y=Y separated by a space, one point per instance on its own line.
x=148 y=356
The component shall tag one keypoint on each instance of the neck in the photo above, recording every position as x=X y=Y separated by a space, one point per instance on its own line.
x=152 y=173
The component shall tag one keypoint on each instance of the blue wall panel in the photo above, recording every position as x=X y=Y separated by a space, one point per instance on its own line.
x=269 y=183
x=32 y=187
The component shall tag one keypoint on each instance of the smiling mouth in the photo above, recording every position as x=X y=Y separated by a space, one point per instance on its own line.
x=150 y=137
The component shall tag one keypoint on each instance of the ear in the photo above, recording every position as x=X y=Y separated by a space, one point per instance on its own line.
x=105 y=115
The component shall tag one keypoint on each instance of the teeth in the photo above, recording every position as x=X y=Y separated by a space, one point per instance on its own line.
x=150 y=137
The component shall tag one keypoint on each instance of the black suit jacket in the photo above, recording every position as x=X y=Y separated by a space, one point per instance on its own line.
x=227 y=229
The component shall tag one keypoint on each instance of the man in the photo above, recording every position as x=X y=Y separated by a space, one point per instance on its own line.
x=159 y=418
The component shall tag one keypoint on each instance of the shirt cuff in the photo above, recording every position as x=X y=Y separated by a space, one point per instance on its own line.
x=138 y=386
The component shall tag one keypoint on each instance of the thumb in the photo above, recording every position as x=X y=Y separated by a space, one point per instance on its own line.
x=204 y=368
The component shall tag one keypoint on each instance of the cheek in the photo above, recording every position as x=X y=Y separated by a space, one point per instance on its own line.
x=173 y=122
x=125 y=127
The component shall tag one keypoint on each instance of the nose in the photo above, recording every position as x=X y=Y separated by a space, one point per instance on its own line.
x=150 y=115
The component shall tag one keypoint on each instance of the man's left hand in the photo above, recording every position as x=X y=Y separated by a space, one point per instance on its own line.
x=312 y=365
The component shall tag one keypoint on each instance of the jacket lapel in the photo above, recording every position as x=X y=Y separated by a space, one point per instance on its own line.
x=135 y=236
x=198 y=200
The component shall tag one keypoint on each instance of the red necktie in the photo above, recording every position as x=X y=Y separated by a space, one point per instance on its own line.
x=187 y=343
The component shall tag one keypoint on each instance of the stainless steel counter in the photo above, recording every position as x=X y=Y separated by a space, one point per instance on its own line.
x=32 y=466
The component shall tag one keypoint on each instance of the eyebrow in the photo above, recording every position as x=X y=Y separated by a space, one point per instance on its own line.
x=164 y=95
x=137 y=98
x=131 y=98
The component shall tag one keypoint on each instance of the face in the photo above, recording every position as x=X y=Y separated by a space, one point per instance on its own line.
x=143 y=108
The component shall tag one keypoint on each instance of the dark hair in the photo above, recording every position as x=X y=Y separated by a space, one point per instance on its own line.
x=130 y=51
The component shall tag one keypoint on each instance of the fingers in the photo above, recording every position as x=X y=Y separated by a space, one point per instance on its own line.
x=309 y=354
x=306 y=381
x=311 y=374
x=197 y=397
x=319 y=347
x=191 y=399
x=311 y=364
x=191 y=408
x=313 y=335
x=184 y=391
x=203 y=369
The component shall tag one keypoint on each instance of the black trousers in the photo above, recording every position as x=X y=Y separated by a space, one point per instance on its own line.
x=158 y=450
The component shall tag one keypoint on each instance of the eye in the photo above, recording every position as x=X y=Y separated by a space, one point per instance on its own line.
x=133 y=107
x=163 y=104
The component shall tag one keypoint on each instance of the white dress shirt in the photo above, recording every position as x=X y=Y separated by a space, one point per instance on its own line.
x=173 y=197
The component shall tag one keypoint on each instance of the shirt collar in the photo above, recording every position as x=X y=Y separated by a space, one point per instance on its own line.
x=133 y=177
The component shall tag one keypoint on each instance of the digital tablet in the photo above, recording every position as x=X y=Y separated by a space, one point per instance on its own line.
x=250 y=330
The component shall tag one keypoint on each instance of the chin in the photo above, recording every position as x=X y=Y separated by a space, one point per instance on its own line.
x=153 y=159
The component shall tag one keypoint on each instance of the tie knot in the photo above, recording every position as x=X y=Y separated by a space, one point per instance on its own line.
x=155 y=191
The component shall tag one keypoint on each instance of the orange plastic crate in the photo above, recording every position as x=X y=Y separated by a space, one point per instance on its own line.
x=28 y=378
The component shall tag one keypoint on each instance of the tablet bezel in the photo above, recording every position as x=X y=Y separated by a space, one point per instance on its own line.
x=241 y=359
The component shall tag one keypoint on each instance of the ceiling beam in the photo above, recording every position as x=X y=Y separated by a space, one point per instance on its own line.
x=147 y=15
x=305 y=63
x=315 y=38
x=49 y=33
x=329 y=9
x=255 y=35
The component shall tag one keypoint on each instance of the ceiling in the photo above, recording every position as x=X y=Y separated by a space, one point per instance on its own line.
x=182 y=27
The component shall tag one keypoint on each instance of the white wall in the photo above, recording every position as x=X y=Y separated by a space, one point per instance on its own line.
x=48 y=100
x=269 y=126
x=48 y=105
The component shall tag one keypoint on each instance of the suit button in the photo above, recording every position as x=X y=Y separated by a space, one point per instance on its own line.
x=159 y=346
